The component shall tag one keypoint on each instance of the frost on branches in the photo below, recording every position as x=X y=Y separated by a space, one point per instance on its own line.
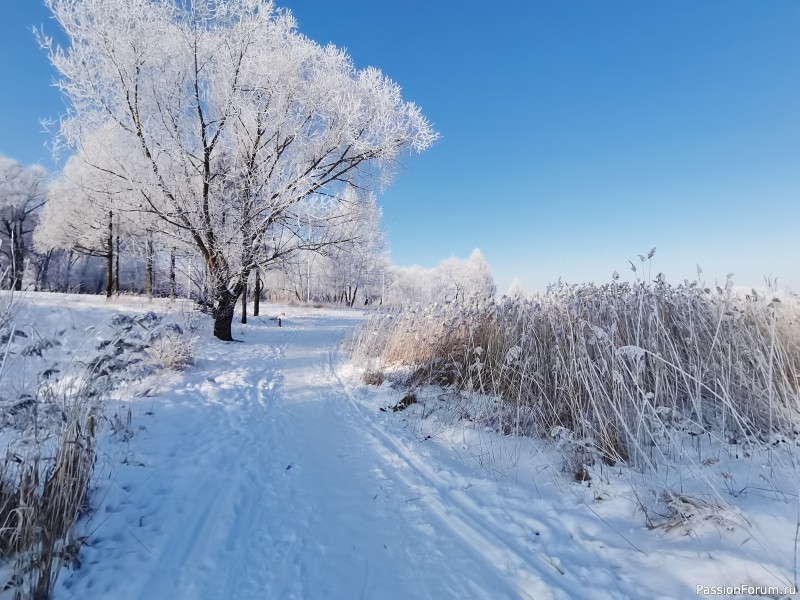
x=242 y=136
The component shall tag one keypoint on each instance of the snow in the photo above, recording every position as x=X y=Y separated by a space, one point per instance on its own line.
x=267 y=470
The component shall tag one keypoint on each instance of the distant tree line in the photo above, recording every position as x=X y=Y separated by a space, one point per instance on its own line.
x=59 y=234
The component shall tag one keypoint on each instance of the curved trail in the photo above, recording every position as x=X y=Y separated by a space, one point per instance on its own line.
x=260 y=474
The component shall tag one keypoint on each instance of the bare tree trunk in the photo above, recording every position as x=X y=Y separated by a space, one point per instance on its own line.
x=82 y=286
x=224 y=309
x=244 y=304
x=257 y=293
x=110 y=256
x=148 y=277
x=172 y=274
x=17 y=256
x=223 y=315
x=353 y=297
x=116 y=263
x=226 y=291
x=68 y=274
x=44 y=268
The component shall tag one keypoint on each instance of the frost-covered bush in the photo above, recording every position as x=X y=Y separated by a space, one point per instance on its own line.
x=42 y=494
x=173 y=351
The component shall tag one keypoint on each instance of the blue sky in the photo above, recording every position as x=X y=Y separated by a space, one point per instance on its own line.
x=574 y=134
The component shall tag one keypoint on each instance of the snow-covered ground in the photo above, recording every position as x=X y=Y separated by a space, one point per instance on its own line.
x=267 y=470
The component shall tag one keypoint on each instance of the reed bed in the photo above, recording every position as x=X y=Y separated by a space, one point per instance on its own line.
x=626 y=368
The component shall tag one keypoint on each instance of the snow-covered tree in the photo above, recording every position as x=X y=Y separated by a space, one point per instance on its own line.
x=357 y=265
x=76 y=217
x=90 y=210
x=319 y=270
x=237 y=118
x=479 y=283
x=22 y=195
x=410 y=285
x=515 y=290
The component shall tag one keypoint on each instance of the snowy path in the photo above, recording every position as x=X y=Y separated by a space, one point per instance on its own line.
x=260 y=474
x=258 y=477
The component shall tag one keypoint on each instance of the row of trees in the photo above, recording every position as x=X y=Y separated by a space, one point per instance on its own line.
x=67 y=235
x=372 y=279
x=215 y=129
x=76 y=234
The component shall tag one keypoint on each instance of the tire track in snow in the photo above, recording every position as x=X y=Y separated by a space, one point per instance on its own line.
x=467 y=523
x=264 y=548
x=355 y=539
x=187 y=497
x=488 y=529
x=222 y=514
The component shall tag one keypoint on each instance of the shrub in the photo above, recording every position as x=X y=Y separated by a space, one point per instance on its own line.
x=172 y=351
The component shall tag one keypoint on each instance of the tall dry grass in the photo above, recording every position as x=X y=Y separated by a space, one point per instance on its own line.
x=41 y=499
x=43 y=484
x=627 y=368
x=50 y=425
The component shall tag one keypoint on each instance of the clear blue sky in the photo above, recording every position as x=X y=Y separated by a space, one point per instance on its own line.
x=575 y=134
